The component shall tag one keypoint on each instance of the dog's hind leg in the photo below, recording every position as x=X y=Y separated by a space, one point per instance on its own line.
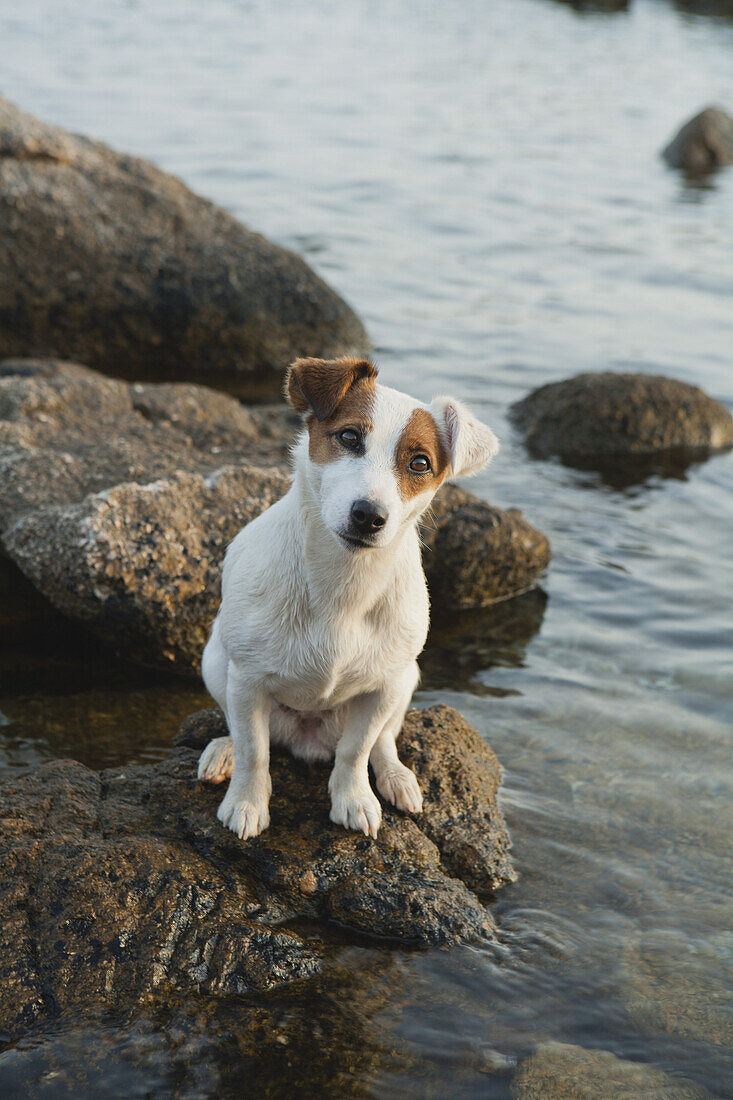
x=216 y=762
x=214 y=665
x=396 y=782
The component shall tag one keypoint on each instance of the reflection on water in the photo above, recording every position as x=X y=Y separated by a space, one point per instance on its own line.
x=483 y=183
x=622 y=472
x=461 y=647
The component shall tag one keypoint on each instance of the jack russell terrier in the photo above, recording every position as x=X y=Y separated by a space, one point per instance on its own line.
x=324 y=603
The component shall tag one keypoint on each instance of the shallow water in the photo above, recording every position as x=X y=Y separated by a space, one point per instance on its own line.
x=482 y=183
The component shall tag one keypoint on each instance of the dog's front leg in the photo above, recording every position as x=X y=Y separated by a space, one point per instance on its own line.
x=245 y=808
x=353 y=802
x=395 y=782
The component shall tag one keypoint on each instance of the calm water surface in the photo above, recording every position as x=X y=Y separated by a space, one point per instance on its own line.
x=482 y=183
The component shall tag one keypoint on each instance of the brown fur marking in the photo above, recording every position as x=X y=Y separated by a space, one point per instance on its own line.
x=338 y=394
x=319 y=385
x=420 y=437
x=355 y=411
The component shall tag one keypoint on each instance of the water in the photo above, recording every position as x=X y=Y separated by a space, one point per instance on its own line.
x=482 y=183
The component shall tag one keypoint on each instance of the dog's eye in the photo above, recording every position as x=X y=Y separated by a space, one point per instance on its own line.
x=420 y=464
x=350 y=438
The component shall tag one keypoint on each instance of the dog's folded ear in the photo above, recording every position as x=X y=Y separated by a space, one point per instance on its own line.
x=320 y=385
x=471 y=444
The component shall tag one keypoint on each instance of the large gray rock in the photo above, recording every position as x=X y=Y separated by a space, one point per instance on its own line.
x=703 y=144
x=592 y=418
x=121 y=888
x=118 y=500
x=560 y=1071
x=106 y=259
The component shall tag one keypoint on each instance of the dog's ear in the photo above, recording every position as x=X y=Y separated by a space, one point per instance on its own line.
x=320 y=385
x=471 y=444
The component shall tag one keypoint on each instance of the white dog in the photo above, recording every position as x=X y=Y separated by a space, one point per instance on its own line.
x=324 y=603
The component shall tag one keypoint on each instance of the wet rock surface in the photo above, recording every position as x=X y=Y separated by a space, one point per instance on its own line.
x=121 y=888
x=559 y=1070
x=117 y=500
x=704 y=144
x=593 y=418
x=107 y=259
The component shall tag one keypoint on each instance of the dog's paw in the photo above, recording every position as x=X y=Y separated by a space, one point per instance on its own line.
x=358 y=810
x=243 y=817
x=216 y=762
x=399 y=786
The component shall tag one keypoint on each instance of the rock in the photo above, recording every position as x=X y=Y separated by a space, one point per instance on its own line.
x=107 y=259
x=592 y=419
x=477 y=554
x=703 y=144
x=121 y=888
x=598 y=5
x=680 y=984
x=559 y=1070
x=140 y=565
x=118 y=500
x=719 y=9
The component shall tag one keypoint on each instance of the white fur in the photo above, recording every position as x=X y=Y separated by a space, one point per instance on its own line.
x=315 y=643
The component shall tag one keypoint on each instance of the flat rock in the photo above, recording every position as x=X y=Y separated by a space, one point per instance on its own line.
x=593 y=418
x=107 y=259
x=121 y=888
x=704 y=144
x=117 y=500
x=559 y=1071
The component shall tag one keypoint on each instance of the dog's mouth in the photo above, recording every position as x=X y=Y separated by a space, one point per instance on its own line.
x=355 y=543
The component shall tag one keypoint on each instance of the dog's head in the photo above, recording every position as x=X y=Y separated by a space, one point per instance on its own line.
x=376 y=457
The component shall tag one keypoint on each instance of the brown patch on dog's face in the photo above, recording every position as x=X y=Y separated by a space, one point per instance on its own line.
x=320 y=385
x=339 y=394
x=420 y=439
x=355 y=412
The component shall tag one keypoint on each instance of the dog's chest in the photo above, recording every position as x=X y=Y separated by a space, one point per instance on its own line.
x=326 y=664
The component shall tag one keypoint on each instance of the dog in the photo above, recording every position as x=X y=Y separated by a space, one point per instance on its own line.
x=324 y=604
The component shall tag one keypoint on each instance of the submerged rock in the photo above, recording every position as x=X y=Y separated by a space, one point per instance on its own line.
x=118 y=500
x=121 y=887
x=593 y=418
x=107 y=259
x=703 y=144
x=680 y=984
x=559 y=1071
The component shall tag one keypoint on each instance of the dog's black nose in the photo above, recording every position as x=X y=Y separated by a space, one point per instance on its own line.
x=367 y=517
